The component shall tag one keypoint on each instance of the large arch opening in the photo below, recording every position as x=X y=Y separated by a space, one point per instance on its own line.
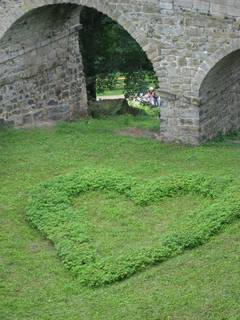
x=109 y=54
x=220 y=98
x=42 y=76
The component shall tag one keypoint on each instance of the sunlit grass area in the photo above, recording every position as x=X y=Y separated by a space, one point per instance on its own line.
x=34 y=284
x=116 y=91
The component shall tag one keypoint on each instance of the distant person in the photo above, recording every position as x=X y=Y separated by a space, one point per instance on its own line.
x=156 y=98
x=152 y=97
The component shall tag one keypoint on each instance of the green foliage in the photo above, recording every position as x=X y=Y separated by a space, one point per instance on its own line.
x=106 y=82
x=107 y=50
x=147 y=109
x=136 y=82
x=50 y=210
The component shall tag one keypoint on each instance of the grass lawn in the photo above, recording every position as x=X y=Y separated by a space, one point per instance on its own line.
x=203 y=283
x=119 y=87
x=115 y=92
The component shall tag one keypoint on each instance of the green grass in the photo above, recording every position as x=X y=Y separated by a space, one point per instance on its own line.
x=119 y=87
x=118 y=90
x=74 y=235
x=200 y=284
x=119 y=219
x=114 y=92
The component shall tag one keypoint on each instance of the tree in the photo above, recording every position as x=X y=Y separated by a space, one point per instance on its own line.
x=108 y=50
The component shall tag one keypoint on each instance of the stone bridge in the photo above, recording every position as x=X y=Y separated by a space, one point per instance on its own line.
x=193 y=46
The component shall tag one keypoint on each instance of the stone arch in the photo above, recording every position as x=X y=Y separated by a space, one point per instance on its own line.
x=218 y=90
x=207 y=65
x=31 y=100
x=18 y=11
x=162 y=31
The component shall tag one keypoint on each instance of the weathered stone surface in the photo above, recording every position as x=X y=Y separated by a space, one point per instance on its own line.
x=220 y=98
x=41 y=76
x=184 y=39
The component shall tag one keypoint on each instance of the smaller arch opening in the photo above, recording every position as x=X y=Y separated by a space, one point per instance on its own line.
x=220 y=98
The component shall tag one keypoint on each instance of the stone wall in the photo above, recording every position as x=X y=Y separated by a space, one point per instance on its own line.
x=41 y=76
x=226 y=8
x=183 y=39
x=220 y=98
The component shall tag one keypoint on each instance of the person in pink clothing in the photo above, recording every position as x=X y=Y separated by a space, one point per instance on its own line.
x=152 y=97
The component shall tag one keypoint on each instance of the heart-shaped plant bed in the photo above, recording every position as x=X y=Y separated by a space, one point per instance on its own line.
x=51 y=210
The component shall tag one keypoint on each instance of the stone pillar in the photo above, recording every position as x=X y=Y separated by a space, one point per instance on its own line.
x=41 y=69
x=179 y=119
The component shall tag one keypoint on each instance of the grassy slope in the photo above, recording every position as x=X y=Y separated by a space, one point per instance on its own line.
x=201 y=284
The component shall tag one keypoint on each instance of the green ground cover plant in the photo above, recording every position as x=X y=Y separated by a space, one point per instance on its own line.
x=199 y=284
x=50 y=209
